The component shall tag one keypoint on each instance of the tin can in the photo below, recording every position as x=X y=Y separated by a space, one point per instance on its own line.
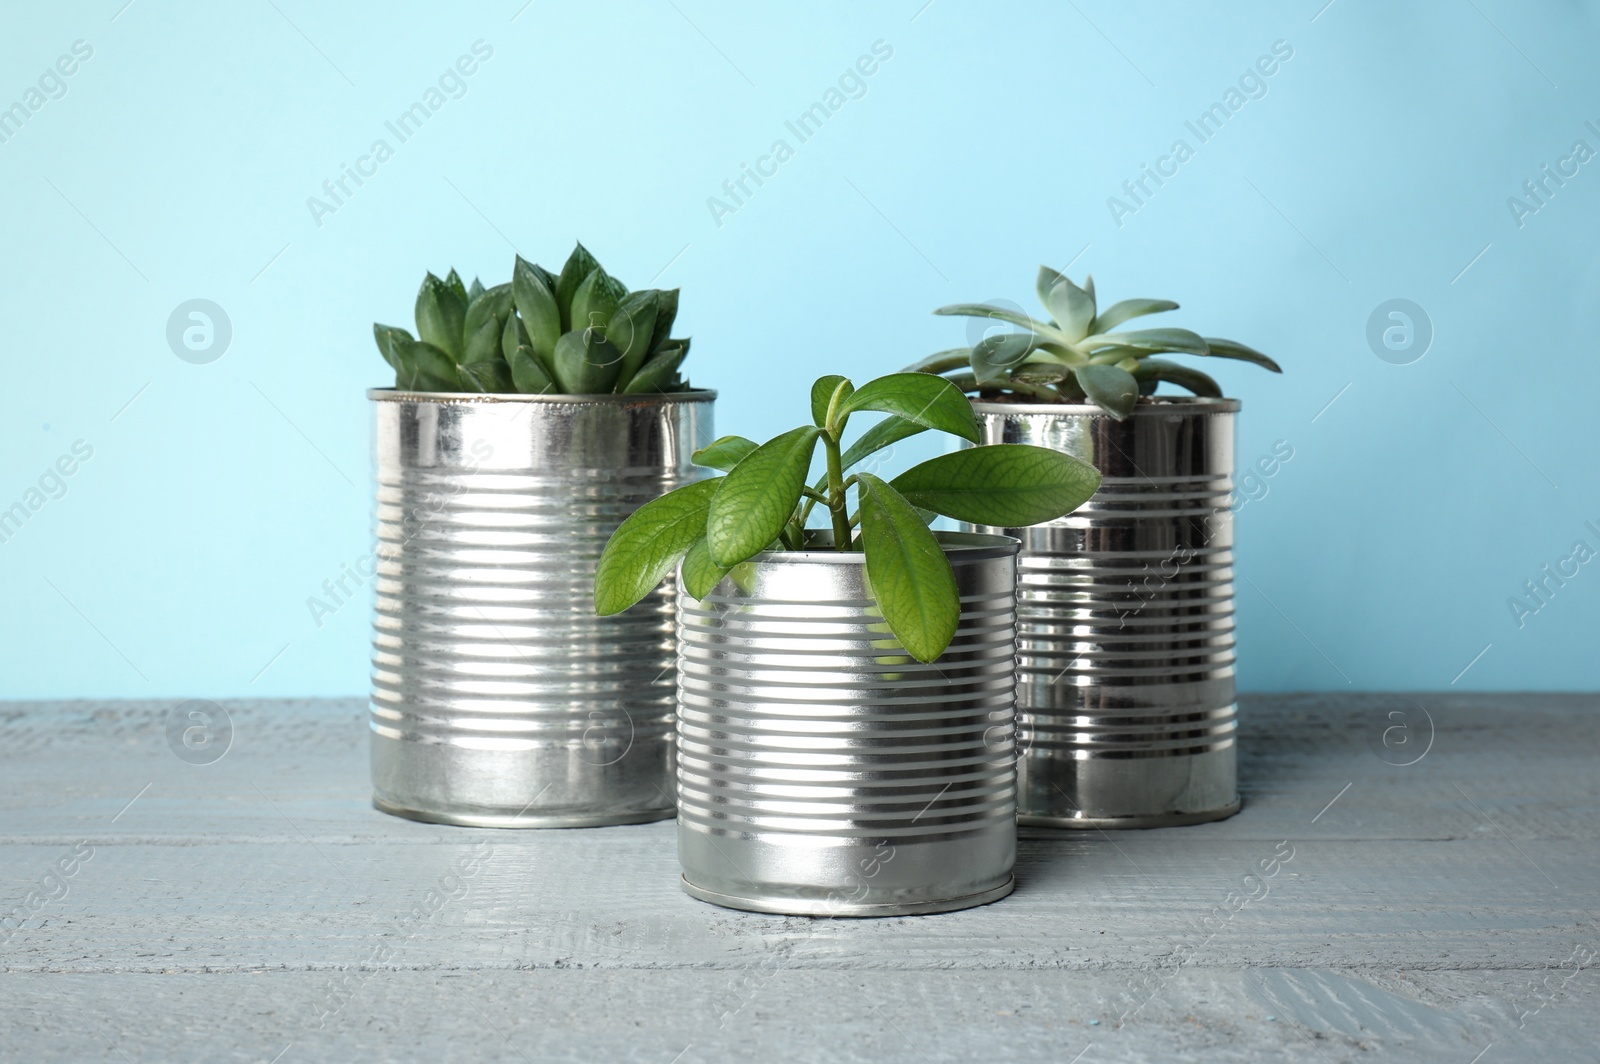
x=1126 y=702
x=499 y=699
x=822 y=770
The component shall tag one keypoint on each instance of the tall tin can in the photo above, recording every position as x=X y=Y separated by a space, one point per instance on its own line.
x=821 y=770
x=499 y=699
x=1126 y=703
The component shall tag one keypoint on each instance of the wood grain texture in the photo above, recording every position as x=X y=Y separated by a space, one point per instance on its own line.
x=233 y=909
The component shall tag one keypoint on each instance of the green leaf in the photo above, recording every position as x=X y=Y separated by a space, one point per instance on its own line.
x=1046 y=280
x=1007 y=485
x=666 y=314
x=890 y=430
x=910 y=575
x=536 y=304
x=984 y=310
x=942 y=361
x=1071 y=307
x=491 y=376
x=759 y=496
x=391 y=343
x=724 y=453
x=928 y=400
x=659 y=374
x=453 y=279
x=491 y=304
x=441 y=314
x=1159 y=369
x=474 y=290
x=994 y=357
x=1117 y=313
x=1152 y=340
x=822 y=396
x=585 y=363
x=425 y=368
x=596 y=299
x=700 y=573
x=649 y=544
x=1113 y=388
x=483 y=345
x=1233 y=349
x=528 y=373
x=580 y=264
x=632 y=326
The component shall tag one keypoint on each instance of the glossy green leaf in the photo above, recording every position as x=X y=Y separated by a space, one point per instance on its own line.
x=1009 y=485
x=536 y=304
x=474 y=290
x=579 y=265
x=1159 y=369
x=529 y=370
x=491 y=376
x=910 y=576
x=759 y=496
x=1113 y=388
x=1117 y=313
x=923 y=398
x=1182 y=340
x=942 y=361
x=660 y=373
x=585 y=363
x=666 y=314
x=700 y=573
x=483 y=345
x=596 y=299
x=724 y=453
x=630 y=331
x=889 y=431
x=994 y=357
x=491 y=304
x=391 y=343
x=425 y=368
x=441 y=314
x=1233 y=349
x=453 y=279
x=1071 y=307
x=823 y=390
x=650 y=544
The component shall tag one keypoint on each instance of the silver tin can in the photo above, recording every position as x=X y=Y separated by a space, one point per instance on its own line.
x=1125 y=699
x=499 y=699
x=821 y=770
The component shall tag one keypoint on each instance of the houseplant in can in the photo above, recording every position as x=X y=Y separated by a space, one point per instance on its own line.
x=846 y=706
x=527 y=421
x=1126 y=695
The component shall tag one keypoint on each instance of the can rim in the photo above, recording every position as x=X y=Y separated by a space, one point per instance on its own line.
x=1148 y=406
x=400 y=395
x=959 y=546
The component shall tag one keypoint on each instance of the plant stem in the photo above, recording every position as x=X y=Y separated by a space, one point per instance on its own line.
x=836 y=490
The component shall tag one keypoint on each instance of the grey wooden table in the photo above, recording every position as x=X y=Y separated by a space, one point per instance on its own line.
x=257 y=909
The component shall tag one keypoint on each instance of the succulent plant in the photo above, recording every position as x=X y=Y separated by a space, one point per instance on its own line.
x=1077 y=353
x=580 y=332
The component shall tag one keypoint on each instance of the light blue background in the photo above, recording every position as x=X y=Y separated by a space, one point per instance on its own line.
x=1378 y=165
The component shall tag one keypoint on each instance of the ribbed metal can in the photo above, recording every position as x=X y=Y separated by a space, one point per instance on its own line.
x=1125 y=700
x=821 y=770
x=499 y=699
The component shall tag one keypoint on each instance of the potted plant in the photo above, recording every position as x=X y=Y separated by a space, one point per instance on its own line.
x=526 y=422
x=846 y=705
x=1126 y=692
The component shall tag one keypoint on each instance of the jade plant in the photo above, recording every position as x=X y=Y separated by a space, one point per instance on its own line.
x=1079 y=352
x=764 y=503
x=579 y=332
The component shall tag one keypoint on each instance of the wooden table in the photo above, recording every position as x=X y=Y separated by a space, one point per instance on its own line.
x=258 y=909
